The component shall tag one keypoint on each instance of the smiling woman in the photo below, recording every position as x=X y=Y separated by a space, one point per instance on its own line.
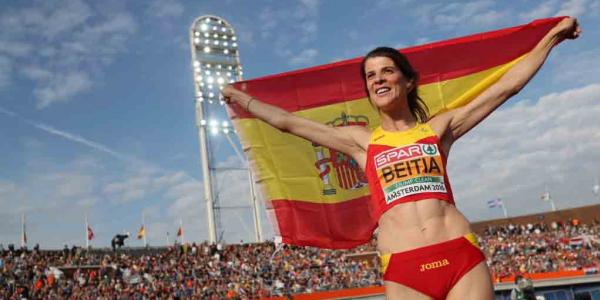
x=397 y=68
x=426 y=245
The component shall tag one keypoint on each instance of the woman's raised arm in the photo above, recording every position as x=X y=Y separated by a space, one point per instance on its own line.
x=351 y=140
x=455 y=123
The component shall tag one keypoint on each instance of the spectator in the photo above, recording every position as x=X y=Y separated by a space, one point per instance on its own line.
x=245 y=271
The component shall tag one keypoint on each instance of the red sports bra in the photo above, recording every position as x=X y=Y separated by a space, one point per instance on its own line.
x=406 y=166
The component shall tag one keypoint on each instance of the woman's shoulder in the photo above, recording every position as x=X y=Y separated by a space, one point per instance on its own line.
x=439 y=123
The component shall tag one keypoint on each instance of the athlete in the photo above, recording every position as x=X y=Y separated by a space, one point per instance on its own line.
x=426 y=245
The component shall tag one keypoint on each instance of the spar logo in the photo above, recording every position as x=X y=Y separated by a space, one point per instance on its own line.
x=429 y=149
x=405 y=153
x=336 y=169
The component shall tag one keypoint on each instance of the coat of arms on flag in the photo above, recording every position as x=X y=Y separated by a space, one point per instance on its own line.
x=337 y=169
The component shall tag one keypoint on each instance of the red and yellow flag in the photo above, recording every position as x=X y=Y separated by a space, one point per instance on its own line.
x=141 y=233
x=317 y=196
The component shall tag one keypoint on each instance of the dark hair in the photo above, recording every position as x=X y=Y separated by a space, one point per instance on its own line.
x=417 y=106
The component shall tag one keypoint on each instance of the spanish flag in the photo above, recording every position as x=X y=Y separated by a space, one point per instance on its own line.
x=141 y=233
x=319 y=197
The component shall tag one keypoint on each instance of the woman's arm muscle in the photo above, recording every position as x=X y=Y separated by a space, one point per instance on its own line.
x=351 y=140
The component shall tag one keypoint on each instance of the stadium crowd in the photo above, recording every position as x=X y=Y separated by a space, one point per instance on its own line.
x=540 y=247
x=247 y=271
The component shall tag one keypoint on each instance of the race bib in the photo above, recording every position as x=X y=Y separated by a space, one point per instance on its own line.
x=410 y=170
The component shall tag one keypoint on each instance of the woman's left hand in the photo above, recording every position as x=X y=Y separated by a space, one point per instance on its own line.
x=568 y=28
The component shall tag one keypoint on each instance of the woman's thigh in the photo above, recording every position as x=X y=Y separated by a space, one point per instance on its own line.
x=476 y=284
x=396 y=291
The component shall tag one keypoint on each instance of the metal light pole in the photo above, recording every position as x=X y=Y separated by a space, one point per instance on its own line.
x=215 y=60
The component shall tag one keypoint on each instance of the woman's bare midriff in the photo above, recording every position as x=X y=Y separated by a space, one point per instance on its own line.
x=412 y=225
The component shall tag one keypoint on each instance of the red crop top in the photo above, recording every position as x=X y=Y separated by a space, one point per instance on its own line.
x=406 y=166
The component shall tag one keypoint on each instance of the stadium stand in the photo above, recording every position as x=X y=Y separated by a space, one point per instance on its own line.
x=544 y=247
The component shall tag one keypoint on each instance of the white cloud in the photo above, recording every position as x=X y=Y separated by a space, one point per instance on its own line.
x=449 y=16
x=16 y=48
x=70 y=185
x=78 y=40
x=62 y=87
x=5 y=71
x=579 y=68
x=376 y=8
x=421 y=41
x=165 y=9
x=7 y=189
x=543 y=10
x=305 y=57
x=520 y=149
x=169 y=179
x=133 y=188
x=77 y=139
x=573 y=8
x=287 y=25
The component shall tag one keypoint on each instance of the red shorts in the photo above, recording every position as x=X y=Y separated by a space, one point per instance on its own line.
x=433 y=270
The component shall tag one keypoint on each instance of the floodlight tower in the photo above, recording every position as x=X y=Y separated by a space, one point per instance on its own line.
x=215 y=62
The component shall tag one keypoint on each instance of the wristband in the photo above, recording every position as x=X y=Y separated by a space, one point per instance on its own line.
x=248 y=103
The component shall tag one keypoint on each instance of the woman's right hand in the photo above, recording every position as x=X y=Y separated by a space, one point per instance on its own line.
x=231 y=94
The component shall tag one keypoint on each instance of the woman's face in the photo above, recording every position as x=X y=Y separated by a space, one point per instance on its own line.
x=385 y=82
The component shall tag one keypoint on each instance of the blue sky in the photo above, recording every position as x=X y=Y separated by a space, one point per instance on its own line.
x=97 y=111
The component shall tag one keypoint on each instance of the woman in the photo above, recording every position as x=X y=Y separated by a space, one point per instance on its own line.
x=428 y=251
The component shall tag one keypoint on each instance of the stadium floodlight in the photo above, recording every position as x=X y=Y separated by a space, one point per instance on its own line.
x=211 y=48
